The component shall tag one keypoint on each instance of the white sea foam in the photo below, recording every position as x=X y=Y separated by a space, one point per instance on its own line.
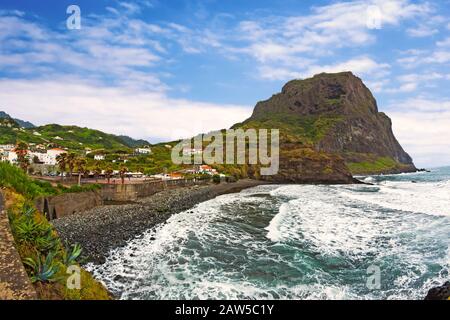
x=291 y=242
x=429 y=198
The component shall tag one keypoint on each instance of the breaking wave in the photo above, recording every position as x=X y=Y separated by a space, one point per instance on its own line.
x=294 y=242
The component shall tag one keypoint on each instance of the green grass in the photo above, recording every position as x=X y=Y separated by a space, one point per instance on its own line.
x=379 y=165
x=307 y=129
x=44 y=256
x=73 y=137
x=14 y=178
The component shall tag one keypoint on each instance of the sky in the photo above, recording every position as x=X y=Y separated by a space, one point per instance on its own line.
x=162 y=70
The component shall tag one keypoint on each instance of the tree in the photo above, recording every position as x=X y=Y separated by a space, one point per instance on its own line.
x=97 y=170
x=122 y=172
x=80 y=164
x=61 y=159
x=22 y=155
x=108 y=173
x=71 y=157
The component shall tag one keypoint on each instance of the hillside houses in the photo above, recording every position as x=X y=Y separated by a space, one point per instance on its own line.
x=48 y=157
x=143 y=151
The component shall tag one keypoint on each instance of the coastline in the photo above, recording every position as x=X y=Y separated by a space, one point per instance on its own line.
x=111 y=226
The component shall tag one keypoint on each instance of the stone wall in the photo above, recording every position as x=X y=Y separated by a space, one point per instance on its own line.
x=132 y=192
x=55 y=207
x=69 y=203
x=14 y=281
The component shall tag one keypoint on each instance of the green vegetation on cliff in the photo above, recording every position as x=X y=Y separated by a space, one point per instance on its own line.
x=45 y=258
x=305 y=129
x=14 y=178
x=72 y=137
x=376 y=166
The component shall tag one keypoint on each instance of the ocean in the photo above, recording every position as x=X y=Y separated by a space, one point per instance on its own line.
x=296 y=242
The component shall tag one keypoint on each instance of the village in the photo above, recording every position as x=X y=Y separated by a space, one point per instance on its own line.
x=60 y=165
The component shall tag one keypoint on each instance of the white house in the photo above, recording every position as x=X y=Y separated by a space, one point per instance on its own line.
x=12 y=157
x=99 y=157
x=7 y=147
x=205 y=169
x=3 y=156
x=147 y=150
x=52 y=154
x=189 y=151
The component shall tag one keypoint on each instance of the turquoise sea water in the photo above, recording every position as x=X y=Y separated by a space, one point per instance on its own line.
x=296 y=242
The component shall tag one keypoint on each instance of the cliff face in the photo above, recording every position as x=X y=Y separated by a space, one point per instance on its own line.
x=333 y=116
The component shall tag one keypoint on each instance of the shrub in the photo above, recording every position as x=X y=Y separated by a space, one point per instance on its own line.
x=43 y=269
x=216 y=178
x=14 y=178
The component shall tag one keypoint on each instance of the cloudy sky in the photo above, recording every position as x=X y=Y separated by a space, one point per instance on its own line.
x=163 y=69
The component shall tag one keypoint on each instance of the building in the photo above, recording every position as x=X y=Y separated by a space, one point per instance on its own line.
x=193 y=151
x=147 y=150
x=12 y=157
x=7 y=147
x=175 y=176
x=99 y=157
x=205 y=169
x=52 y=154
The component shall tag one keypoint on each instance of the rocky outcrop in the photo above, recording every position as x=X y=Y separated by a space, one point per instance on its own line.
x=335 y=115
x=439 y=293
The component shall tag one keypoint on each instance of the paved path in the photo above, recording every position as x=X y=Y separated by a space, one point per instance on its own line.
x=14 y=282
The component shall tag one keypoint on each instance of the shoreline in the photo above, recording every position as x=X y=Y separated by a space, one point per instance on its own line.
x=107 y=227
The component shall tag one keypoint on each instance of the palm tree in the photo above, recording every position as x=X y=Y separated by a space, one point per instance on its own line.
x=22 y=155
x=80 y=164
x=122 y=172
x=71 y=157
x=97 y=170
x=61 y=159
x=108 y=173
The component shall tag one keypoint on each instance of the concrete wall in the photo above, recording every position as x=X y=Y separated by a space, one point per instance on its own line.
x=55 y=207
x=69 y=203
x=132 y=192
x=14 y=281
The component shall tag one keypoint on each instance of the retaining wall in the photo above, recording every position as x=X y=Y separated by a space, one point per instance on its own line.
x=14 y=281
x=55 y=207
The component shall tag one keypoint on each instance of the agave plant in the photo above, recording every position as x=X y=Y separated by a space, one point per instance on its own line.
x=70 y=257
x=28 y=210
x=27 y=229
x=46 y=240
x=43 y=269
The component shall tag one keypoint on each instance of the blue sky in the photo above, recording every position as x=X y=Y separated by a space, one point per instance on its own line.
x=163 y=69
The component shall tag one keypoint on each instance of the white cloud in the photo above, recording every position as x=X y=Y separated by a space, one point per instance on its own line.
x=115 y=110
x=289 y=46
x=422 y=31
x=439 y=56
x=421 y=126
x=444 y=43
x=410 y=82
x=361 y=66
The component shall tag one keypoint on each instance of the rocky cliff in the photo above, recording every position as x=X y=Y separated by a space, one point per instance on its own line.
x=330 y=127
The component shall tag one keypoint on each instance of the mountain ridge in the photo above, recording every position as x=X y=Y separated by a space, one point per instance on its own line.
x=334 y=114
x=21 y=123
x=73 y=137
